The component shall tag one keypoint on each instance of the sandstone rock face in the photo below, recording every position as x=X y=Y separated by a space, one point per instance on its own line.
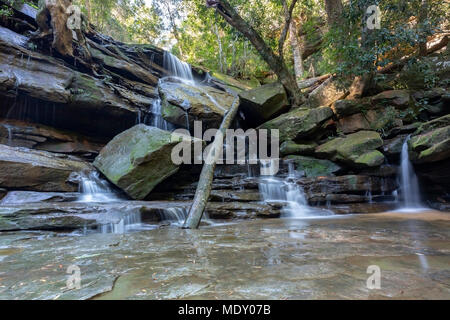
x=183 y=103
x=432 y=141
x=39 y=87
x=312 y=167
x=25 y=169
x=343 y=108
x=40 y=137
x=138 y=159
x=300 y=123
x=379 y=119
x=398 y=98
x=358 y=149
x=327 y=93
x=263 y=103
x=217 y=210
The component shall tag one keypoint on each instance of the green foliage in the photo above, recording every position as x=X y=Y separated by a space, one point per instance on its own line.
x=5 y=9
x=417 y=74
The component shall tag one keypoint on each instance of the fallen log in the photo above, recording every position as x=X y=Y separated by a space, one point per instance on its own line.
x=207 y=175
x=312 y=81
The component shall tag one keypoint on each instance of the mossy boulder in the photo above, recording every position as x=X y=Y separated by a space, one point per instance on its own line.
x=344 y=108
x=312 y=167
x=379 y=120
x=139 y=159
x=355 y=150
x=431 y=142
x=398 y=98
x=292 y=148
x=263 y=103
x=300 y=123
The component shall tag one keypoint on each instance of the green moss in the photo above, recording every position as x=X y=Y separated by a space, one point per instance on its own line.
x=314 y=167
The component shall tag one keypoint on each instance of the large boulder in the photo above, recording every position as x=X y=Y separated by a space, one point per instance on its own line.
x=432 y=141
x=326 y=94
x=263 y=103
x=300 y=123
x=356 y=150
x=379 y=119
x=312 y=167
x=184 y=102
x=25 y=169
x=398 y=98
x=344 y=108
x=138 y=159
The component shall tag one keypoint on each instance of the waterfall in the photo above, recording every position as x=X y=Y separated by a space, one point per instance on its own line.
x=157 y=119
x=95 y=189
x=177 y=67
x=409 y=183
x=131 y=221
x=274 y=189
x=175 y=215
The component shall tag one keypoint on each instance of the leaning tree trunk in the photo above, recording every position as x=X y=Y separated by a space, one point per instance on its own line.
x=206 y=177
x=275 y=62
x=296 y=51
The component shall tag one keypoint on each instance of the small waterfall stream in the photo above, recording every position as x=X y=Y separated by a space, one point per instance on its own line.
x=95 y=189
x=177 y=68
x=287 y=191
x=410 y=191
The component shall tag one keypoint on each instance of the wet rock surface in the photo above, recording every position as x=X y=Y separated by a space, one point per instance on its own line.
x=25 y=169
x=184 y=102
x=269 y=259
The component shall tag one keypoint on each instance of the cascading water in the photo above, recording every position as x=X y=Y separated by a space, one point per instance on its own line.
x=95 y=189
x=157 y=119
x=131 y=221
x=287 y=191
x=177 y=68
x=410 y=191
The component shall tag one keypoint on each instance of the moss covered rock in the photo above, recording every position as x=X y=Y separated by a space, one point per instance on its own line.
x=431 y=142
x=399 y=98
x=292 y=148
x=355 y=149
x=139 y=159
x=300 y=123
x=313 y=167
x=263 y=103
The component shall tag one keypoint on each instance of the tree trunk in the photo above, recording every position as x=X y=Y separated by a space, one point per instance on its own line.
x=219 y=42
x=88 y=9
x=334 y=11
x=275 y=62
x=423 y=16
x=296 y=51
x=206 y=177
